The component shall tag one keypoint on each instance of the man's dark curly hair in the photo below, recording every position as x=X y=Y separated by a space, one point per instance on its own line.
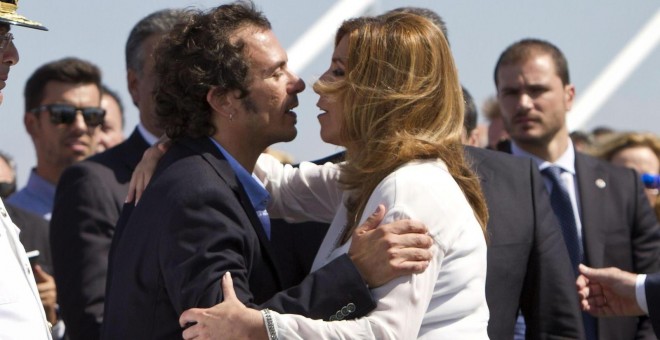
x=197 y=56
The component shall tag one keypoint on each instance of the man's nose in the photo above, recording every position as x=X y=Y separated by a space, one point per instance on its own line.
x=10 y=54
x=79 y=123
x=297 y=84
x=525 y=102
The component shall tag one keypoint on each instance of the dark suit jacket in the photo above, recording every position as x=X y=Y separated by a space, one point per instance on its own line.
x=528 y=265
x=34 y=234
x=652 y=288
x=295 y=246
x=193 y=223
x=619 y=230
x=88 y=201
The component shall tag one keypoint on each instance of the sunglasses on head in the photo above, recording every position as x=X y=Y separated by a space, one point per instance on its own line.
x=66 y=114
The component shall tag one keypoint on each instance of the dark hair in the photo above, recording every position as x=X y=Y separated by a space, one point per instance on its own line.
x=470 y=115
x=198 y=57
x=68 y=70
x=581 y=137
x=159 y=22
x=523 y=50
x=600 y=131
x=106 y=90
x=426 y=13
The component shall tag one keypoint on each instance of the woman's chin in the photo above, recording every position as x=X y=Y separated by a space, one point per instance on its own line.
x=330 y=139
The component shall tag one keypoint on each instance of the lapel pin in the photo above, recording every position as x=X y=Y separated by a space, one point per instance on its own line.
x=600 y=183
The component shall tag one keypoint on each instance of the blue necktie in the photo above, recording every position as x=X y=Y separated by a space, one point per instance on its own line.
x=563 y=209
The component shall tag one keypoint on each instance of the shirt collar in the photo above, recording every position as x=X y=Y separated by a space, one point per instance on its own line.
x=40 y=186
x=566 y=161
x=259 y=196
x=148 y=136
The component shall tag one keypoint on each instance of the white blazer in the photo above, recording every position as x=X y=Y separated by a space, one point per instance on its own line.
x=21 y=312
x=447 y=301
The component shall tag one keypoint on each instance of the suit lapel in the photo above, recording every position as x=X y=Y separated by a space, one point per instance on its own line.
x=214 y=157
x=591 y=183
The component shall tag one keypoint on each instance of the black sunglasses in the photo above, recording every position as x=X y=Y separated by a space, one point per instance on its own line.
x=66 y=114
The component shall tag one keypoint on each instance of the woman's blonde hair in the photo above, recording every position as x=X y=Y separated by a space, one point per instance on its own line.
x=402 y=101
x=620 y=141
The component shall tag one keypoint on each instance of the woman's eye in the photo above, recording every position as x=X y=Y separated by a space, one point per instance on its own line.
x=338 y=72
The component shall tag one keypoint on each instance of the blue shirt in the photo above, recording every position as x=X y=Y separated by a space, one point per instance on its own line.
x=258 y=195
x=37 y=197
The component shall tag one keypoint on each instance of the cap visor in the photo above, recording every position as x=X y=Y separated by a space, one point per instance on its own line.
x=24 y=22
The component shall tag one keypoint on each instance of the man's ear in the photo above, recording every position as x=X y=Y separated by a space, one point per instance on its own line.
x=31 y=122
x=223 y=103
x=569 y=96
x=133 y=83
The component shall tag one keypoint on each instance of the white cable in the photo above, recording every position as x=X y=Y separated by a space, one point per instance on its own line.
x=317 y=37
x=615 y=74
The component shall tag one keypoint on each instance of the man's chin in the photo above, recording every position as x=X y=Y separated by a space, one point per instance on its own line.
x=78 y=155
x=528 y=138
x=291 y=137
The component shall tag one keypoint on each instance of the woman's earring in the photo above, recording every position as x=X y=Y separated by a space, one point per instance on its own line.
x=231 y=117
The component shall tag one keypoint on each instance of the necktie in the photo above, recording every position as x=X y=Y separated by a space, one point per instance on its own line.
x=265 y=221
x=563 y=209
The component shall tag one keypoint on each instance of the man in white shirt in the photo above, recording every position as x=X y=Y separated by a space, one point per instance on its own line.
x=613 y=292
x=21 y=313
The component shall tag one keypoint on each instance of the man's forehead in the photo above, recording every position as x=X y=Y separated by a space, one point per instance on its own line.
x=258 y=38
x=539 y=64
x=4 y=28
x=245 y=32
x=262 y=45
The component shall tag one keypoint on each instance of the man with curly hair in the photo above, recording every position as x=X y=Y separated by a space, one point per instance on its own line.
x=224 y=94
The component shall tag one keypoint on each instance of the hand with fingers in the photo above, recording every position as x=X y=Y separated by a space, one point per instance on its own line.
x=384 y=252
x=607 y=292
x=229 y=319
x=47 y=292
x=145 y=169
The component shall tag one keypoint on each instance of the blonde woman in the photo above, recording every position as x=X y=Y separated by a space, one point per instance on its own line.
x=638 y=151
x=392 y=98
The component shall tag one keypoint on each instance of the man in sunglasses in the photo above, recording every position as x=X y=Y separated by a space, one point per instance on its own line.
x=62 y=115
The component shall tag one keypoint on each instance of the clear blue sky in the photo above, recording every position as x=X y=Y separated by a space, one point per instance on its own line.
x=590 y=32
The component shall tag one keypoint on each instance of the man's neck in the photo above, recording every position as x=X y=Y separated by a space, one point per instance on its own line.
x=245 y=153
x=549 y=151
x=50 y=173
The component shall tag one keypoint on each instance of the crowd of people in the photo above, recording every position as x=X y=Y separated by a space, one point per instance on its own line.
x=426 y=226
